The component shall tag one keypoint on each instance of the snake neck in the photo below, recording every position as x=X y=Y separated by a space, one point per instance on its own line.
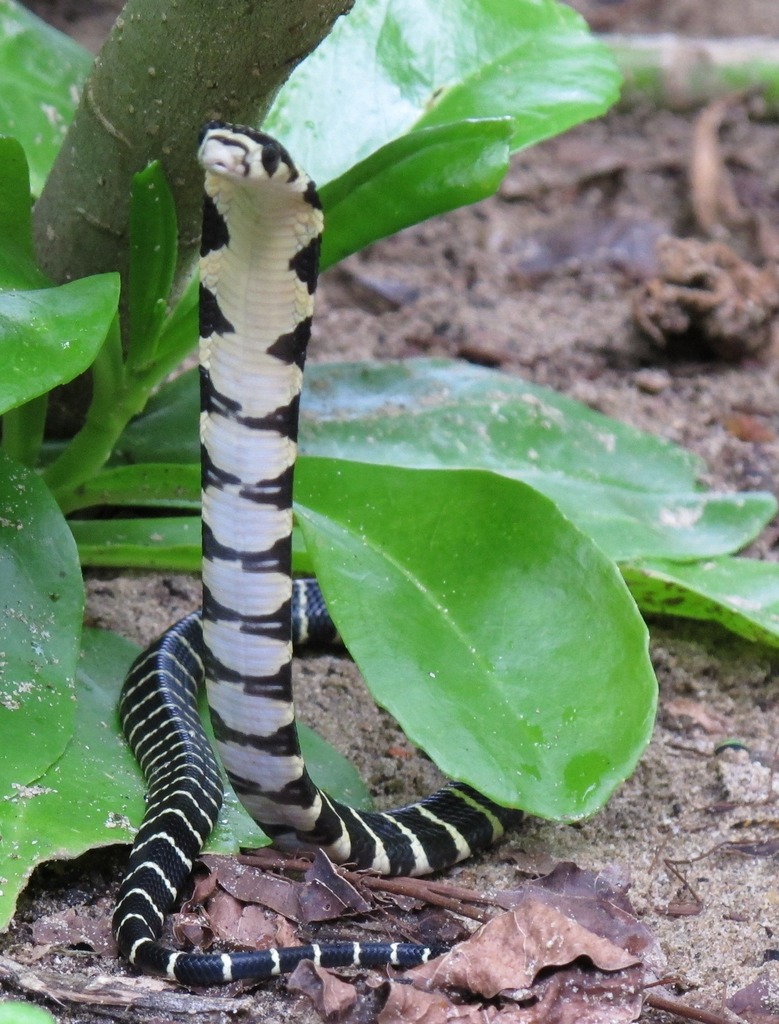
x=258 y=275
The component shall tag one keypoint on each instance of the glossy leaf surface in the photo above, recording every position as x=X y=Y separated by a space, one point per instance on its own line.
x=394 y=66
x=521 y=667
x=48 y=337
x=634 y=494
x=41 y=71
x=41 y=605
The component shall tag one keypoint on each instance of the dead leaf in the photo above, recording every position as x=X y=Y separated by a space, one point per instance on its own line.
x=599 y=902
x=758 y=1003
x=749 y=428
x=331 y=996
x=327 y=894
x=508 y=952
x=69 y=928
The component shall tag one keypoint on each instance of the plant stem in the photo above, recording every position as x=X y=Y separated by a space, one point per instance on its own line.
x=680 y=73
x=117 y=398
x=23 y=431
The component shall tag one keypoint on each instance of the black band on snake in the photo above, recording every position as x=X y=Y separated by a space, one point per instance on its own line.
x=259 y=260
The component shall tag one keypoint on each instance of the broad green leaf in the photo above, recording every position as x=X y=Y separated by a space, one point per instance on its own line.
x=394 y=66
x=153 y=250
x=42 y=599
x=148 y=485
x=48 y=337
x=633 y=493
x=41 y=71
x=526 y=620
x=740 y=593
x=39 y=824
x=18 y=268
x=155 y=543
x=414 y=177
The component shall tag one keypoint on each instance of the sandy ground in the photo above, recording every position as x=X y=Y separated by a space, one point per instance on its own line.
x=539 y=281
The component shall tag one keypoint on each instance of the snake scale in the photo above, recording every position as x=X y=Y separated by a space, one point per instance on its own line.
x=262 y=227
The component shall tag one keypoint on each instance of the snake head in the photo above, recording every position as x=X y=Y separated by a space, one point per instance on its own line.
x=237 y=152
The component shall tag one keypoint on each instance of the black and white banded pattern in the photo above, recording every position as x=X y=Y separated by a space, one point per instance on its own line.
x=259 y=258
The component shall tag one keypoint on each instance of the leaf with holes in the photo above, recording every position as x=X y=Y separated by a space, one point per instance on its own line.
x=463 y=590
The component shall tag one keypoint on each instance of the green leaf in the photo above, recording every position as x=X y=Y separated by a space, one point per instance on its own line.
x=18 y=268
x=42 y=604
x=48 y=337
x=395 y=66
x=634 y=494
x=740 y=593
x=527 y=620
x=155 y=543
x=41 y=71
x=168 y=428
x=12 y=1012
x=331 y=770
x=153 y=251
x=148 y=485
x=416 y=176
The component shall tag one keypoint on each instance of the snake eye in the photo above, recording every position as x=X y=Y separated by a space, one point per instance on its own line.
x=271 y=158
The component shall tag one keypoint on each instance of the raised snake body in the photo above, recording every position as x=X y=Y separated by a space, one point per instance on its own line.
x=259 y=260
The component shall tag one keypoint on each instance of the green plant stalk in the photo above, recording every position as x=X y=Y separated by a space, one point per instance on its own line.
x=23 y=431
x=682 y=73
x=120 y=391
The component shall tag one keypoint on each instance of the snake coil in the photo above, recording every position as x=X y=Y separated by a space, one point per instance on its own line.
x=262 y=226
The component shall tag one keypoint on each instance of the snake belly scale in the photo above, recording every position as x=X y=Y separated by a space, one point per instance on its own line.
x=262 y=227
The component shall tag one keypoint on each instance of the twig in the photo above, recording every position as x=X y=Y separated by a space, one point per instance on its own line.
x=680 y=1009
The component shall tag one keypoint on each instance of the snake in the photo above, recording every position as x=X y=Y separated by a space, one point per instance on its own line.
x=261 y=237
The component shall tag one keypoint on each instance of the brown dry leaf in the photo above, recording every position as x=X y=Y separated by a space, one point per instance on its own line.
x=598 y=902
x=331 y=996
x=322 y=897
x=326 y=894
x=758 y=1003
x=69 y=928
x=508 y=952
x=247 y=925
x=749 y=428
x=407 y=1005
